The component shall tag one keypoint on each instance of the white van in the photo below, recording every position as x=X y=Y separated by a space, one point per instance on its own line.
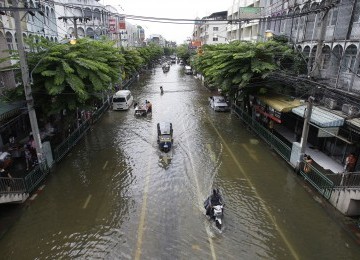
x=122 y=100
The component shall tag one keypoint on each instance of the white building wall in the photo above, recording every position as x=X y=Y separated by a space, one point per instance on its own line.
x=248 y=30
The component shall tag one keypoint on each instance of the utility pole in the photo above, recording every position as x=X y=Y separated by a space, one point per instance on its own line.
x=74 y=20
x=305 y=130
x=240 y=30
x=27 y=85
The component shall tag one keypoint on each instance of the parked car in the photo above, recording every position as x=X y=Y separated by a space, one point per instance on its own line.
x=188 y=70
x=218 y=103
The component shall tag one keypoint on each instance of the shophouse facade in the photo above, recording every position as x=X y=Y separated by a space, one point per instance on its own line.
x=211 y=29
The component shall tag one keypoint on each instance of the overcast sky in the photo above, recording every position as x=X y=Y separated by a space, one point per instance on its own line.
x=179 y=9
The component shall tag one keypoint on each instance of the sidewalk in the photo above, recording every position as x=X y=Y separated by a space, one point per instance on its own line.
x=319 y=157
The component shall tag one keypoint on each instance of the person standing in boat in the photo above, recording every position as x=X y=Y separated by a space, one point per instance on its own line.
x=149 y=106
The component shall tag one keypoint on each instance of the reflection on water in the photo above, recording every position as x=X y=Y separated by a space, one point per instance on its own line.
x=116 y=181
x=164 y=161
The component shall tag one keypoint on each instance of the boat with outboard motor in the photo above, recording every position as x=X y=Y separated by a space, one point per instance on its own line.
x=142 y=109
x=165 y=136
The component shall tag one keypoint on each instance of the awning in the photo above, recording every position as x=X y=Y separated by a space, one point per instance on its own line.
x=8 y=110
x=321 y=117
x=280 y=103
x=354 y=124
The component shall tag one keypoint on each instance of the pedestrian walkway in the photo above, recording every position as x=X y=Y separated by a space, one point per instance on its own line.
x=326 y=162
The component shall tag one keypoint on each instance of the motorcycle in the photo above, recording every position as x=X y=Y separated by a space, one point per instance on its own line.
x=215 y=212
x=161 y=90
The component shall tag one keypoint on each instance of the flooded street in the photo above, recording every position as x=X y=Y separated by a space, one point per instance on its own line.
x=116 y=196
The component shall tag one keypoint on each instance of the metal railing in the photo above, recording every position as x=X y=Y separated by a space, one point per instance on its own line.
x=317 y=179
x=99 y=112
x=128 y=82
x=12 y=185
x=61 y=150
x=345 y=180
x=279 y=146
x=37 y=175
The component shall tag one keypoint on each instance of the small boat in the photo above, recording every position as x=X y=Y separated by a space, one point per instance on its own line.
x=165 y=67
x=141 y=110
x=165 y=136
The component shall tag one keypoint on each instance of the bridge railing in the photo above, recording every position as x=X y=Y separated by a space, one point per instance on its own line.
x=345 y=180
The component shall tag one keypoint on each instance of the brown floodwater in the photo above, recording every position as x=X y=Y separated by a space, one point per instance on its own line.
x=116 y=196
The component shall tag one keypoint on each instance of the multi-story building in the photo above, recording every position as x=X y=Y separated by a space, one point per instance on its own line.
x=157 y=39
x=211 y=29
x=327 y=34
x=244 y=14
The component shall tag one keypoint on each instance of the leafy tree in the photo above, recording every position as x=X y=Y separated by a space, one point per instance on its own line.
x=133 y=62
x=246 y=65
x=151 y=53
x=183 y=52
x=168 y=51
x=69 y=76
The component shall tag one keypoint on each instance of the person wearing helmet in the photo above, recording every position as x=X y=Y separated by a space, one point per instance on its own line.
x=213 y=200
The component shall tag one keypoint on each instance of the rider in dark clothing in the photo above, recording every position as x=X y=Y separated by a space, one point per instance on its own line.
x=213 y=200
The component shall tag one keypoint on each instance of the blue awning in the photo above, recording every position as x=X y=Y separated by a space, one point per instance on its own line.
x=321 y=117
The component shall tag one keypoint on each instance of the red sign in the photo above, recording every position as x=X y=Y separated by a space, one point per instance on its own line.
x=112 y=25
x=259 y=110
x=196 y=43
x=122 y=25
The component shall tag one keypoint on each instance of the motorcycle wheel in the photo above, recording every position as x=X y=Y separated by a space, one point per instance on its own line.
x=218 y=225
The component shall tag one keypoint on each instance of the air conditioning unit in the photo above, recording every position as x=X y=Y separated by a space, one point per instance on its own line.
x=330 y=103
x=349 y=109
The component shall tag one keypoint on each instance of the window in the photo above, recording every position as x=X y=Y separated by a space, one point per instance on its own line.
x=215 y=39
x=9 y=40
x=332 y=17
x=325 y=61
x=215 y=29
x=349 y=59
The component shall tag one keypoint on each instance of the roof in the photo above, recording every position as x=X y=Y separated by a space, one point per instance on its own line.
x=8 y=110
x=165 y=127
x=354 y=122
x=280 y=103
x=122 y=92
x=221 y=14
x=321 y=117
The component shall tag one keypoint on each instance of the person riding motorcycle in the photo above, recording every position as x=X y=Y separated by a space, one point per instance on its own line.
x=213 y=200
x=161 y=90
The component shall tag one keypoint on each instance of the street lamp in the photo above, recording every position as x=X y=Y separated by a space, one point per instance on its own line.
x=269 y=34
